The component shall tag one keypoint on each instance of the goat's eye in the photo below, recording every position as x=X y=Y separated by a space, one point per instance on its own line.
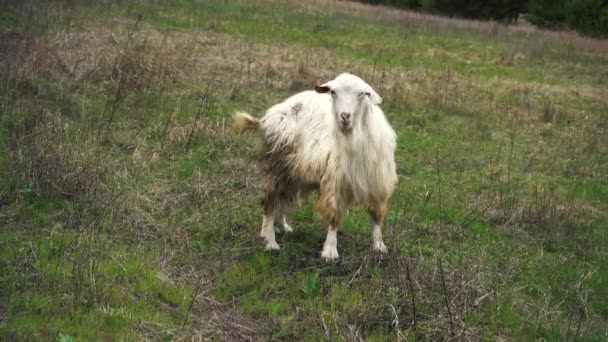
x=332 y=93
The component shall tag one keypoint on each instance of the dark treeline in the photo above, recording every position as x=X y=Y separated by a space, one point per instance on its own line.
x=586 y=16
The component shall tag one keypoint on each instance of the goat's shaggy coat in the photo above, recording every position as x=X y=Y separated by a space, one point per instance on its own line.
x=341 y=144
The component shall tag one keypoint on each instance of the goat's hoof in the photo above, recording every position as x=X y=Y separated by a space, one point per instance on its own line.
x=272 y=246
x=330 y=254
x=380 y=247
x=287 y=228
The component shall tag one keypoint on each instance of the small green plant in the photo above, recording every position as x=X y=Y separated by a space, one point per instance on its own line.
x=311 y=286
x=65 y=338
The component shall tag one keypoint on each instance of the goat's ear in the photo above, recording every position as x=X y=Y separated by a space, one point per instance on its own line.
x=376 y=99
x=322 y=89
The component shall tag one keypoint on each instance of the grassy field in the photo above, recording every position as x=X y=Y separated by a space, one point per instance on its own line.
x=129 y=210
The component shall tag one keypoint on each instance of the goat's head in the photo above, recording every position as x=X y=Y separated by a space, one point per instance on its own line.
x=351 y=99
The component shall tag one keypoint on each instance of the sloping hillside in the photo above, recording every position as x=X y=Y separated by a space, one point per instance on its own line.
x=129 y=210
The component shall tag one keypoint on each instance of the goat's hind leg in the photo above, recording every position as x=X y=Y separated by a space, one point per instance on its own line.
x=268 y=232
x=281 y=222
x=276 y=202
x=270 y=214
x=286 y=227
x=288 y=199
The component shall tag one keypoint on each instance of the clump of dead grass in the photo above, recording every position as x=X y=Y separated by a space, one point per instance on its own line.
x=139 y=58
x=303 y=77
x=543 y=216
x=23 y=55
x=212 y=318
x=142 y=66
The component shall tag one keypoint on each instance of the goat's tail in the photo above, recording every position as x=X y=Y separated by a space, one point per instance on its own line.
x=245 y=122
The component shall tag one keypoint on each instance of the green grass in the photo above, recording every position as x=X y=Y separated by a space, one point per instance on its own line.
x=105 y=294
x=145 y=226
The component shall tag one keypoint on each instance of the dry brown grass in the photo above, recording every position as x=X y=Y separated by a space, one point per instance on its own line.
x=181 y=60
x=22 y=55
x=215 y=320
x=38 y=142
x=50 y=164
x=545 y=218
x=97 y=54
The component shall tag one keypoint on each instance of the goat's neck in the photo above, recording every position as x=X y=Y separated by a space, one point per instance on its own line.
x=353 y=144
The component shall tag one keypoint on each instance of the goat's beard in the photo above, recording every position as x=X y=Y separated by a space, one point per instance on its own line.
x=346 y=129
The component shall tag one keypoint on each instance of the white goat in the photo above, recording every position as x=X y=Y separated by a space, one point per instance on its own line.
x=335 y=139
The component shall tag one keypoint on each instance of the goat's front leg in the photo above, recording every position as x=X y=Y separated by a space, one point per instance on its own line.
x=331 y=212
x=377 y=217
x=330 y=248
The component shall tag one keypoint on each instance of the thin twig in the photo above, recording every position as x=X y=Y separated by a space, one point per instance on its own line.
x=81 y=230
x=440 y=199
x=412 y=294
x=358 y=271
x=374 y=67
x=112 y=105
x=445 y=297
x=191 y=304
x=204 y=103
x=580 y=320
